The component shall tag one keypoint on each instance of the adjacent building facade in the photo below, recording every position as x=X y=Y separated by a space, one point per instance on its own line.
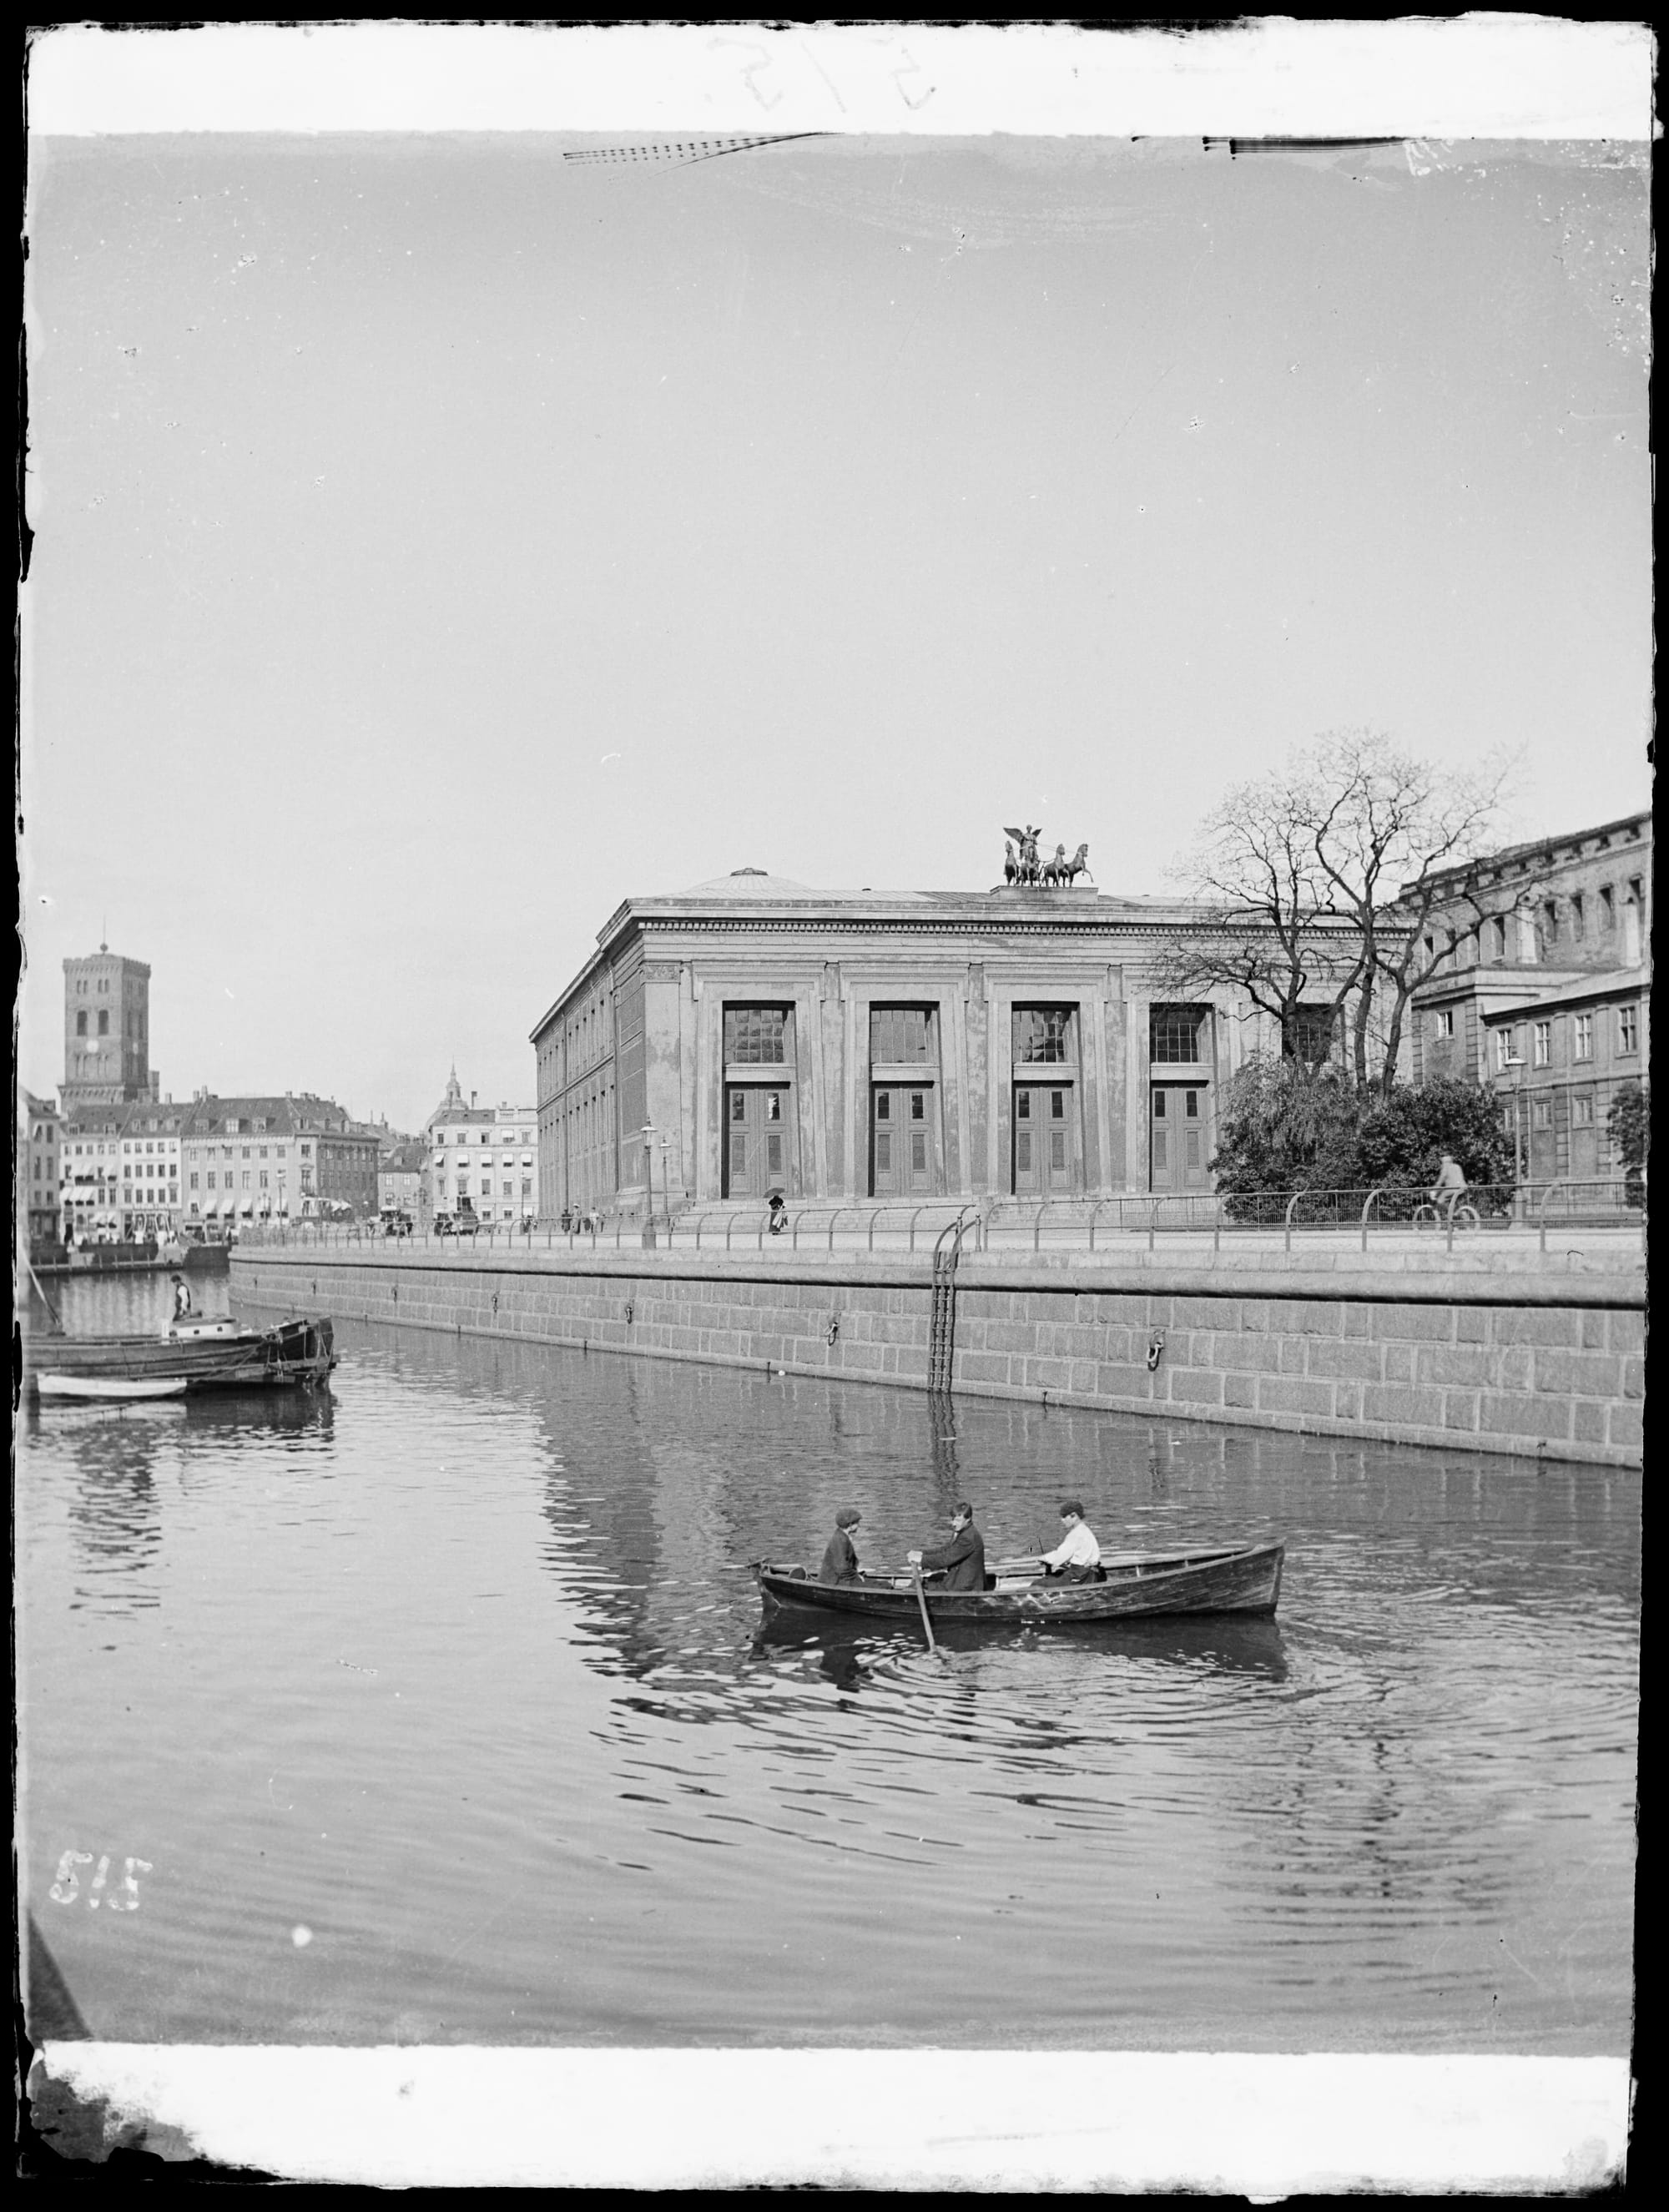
x=753 y=1035
x=1545 y=995
x=39 y=1135
x=262 y=1157
x=400 y=1180
x=482 y=1160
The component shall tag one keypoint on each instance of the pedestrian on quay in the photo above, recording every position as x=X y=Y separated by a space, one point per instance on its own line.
x=840 y=1558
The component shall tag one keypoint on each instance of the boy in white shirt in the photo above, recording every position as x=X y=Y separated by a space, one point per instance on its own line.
x=1077 y=1557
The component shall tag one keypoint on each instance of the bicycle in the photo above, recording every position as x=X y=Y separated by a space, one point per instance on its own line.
x=1434 y=1217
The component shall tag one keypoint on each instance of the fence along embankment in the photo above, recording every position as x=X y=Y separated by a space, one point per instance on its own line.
x=1548 y=1365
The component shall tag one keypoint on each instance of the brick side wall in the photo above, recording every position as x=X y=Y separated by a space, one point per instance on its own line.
x=1534 y=1378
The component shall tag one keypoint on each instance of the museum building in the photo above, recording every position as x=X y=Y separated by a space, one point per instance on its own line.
x=752 y=1036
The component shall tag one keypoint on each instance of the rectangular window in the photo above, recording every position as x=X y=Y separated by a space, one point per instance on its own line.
x=1044 y=1035
x=1576 y=914
x=1541 y=1114
x=1541 y=1044
x=1582 y=1113
x=1627 y=1028
x=1504 y=1057
x=245 y=1178
x=1582 y=1038
x=1174 y=1033
x=901 y=1036
x=1607 y=906
x=1307 y=1035
x=1445 y=1021
x=263 y=1174
x=193 y=1182
x=756 y=1037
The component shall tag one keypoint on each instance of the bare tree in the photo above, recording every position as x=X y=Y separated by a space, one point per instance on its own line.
x=1265 y=925
x=1316 y=886
x=1397 y=840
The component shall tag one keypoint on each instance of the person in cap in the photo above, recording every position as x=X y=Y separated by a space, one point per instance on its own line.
x=840 y=1560
x=182 y=1297
x=962 y=1561
x=1077 y=1557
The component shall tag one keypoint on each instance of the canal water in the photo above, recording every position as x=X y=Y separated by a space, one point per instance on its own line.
x=439 y=1709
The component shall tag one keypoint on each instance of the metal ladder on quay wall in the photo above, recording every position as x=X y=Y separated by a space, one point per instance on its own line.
x=941 y=1326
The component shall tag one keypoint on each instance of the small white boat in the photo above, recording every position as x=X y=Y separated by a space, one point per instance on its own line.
x=105 y=1387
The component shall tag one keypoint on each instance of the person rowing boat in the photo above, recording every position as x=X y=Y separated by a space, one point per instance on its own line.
x=962 y=1561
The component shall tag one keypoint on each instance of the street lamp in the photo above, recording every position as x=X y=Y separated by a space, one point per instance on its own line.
x=648 y=1184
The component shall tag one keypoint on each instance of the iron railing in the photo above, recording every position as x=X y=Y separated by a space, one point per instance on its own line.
x=1594 y=1203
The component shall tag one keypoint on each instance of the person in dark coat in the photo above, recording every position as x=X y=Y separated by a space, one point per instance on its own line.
x=840 y=1560
x=963 y=1559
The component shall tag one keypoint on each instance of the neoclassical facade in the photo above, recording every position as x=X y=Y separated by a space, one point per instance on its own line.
x=753 y=1035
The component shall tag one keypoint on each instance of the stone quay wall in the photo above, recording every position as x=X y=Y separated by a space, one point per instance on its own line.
x=1544 y=1367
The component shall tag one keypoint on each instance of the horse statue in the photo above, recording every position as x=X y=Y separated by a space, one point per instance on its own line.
x=1054 y=871
x=1028 y=871
x=1077 y=866
x=1010 y=864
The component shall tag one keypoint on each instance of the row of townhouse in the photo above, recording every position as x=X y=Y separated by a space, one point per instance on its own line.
x=150 y=1169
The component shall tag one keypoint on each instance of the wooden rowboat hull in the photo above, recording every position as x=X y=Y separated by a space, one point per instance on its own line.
x=83 y=1388
x=1222 y=1581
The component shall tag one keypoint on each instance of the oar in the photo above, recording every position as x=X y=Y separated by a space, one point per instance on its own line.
x=921 y=1600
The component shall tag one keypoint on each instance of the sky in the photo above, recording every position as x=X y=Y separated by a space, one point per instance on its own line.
x=439 y=539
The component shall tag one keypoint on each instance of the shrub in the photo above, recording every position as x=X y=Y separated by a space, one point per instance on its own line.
x=1283 y=1131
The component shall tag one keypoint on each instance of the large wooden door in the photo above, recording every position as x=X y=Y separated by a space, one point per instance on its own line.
x=903 y=1154
x=1584 y=1137
x=1044 y=1165
x=757 y=1149
x=1178 y=1136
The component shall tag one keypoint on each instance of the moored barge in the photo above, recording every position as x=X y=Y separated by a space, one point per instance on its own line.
x=296 y=1353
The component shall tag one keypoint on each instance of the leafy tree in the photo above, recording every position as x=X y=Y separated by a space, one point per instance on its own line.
x=1282 y=1131
x=1402 y=1138
x=1281 y=1123
x=1630 y=1127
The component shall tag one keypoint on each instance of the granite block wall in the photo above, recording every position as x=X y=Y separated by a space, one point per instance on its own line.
x=1464 y=1369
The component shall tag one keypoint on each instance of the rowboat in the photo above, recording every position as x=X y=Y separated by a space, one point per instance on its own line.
x=1228 y=1578
x=105 y=1387
x=199 y=1355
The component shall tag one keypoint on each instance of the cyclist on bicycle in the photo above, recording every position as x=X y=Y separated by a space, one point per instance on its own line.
x=1450 y=1186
